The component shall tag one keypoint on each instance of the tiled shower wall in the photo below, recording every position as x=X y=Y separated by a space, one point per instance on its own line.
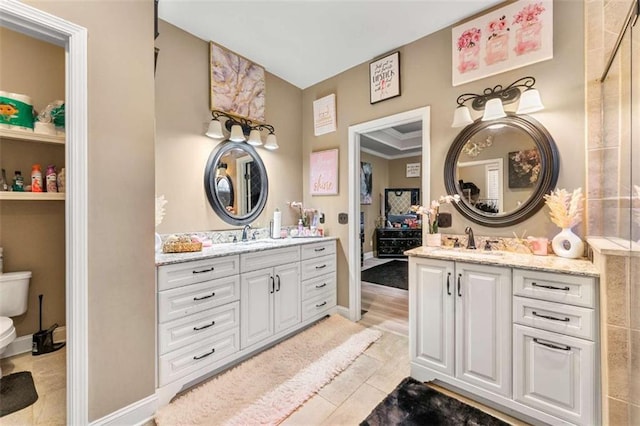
x=613 y=204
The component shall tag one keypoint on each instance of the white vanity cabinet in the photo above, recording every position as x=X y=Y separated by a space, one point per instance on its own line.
x=270 y=286
x=318 y=269
x=460 y=321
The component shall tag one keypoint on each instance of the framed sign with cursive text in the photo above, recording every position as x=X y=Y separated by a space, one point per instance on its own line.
x=384 y=78
x=323 y=179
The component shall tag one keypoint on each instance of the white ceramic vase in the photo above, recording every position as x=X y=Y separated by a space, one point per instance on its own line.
x=567 y=244
x=433 y=240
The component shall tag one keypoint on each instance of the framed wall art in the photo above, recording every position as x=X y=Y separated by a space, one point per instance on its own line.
x=323 y=178
x=366 y=182
x=413 y=170
x=237 y=84
x=516 y=35
x=384 y=78
x=524 y=168
x=324 y=115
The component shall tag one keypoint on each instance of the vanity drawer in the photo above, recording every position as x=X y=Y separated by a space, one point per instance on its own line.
x=193 y=328
x=181 y=274
x=309 y=251
x=319 y=304
x=561 y=318
x=268 y=258
x=179 y=302
x=315 y=267
x=179 y=363
x=315 y=286
x=570 y=289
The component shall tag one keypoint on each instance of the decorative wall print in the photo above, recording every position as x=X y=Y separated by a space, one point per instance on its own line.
x=524 y=168
x=513 y=36
x=237 y=84
x=366 y=182
x=324 y=115
x=323 y=179
x=413 y=170
x=384 y=78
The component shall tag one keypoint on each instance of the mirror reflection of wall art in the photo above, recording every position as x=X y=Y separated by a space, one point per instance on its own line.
x=513 y=36
x=324 y=115
x=323 y=179
x=524 y=168
x=237 y=84
x=413 y=170
x=366 y=182
x=384 y=78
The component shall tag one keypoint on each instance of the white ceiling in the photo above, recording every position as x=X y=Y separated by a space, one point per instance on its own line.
x=304 y=41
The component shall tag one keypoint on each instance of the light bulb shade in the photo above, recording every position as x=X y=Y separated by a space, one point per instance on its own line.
x=461 y=117
x=254 y=138
x=529 y=102
x=236 y=134
x=493 y=109
x=271 y=142
x=215 y=130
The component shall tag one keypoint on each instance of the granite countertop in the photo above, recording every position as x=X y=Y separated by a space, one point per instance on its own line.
x=226 y=249
x=550 y=263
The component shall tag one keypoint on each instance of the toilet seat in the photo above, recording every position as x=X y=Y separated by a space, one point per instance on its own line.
x=7 y=331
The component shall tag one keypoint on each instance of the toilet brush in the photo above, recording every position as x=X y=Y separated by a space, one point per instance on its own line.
x=43 y=339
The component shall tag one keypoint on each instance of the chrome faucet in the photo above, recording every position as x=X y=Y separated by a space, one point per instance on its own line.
x=244 y=233
x=471 y=242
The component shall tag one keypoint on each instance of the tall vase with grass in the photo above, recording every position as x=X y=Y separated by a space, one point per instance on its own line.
x=433 y=238
x=565 y=210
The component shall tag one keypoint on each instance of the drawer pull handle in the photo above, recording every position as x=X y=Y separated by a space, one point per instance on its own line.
x=550 y=287
x=459 y=285
x=549 y=345
x=321 y=267
x=448 y=283
x=205 y=355
x=273 y=285
x=320 y=249
x=535 y=314
x=321 y=285
x=204 y=270
x=204 y=326
x=322 y=304
x=205 y=297
x=278 y=277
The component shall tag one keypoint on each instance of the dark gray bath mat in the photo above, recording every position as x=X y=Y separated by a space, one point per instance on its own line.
x=414 y=403
x=17 y=391
x=392 y=274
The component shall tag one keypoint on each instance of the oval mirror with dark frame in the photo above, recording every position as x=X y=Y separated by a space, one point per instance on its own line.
x=236 y=183
x=501 y=169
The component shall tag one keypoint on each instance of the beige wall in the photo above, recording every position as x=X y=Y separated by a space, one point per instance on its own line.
x=426 y=80
x=398 y=173
x=182 y=149
x=121 y=284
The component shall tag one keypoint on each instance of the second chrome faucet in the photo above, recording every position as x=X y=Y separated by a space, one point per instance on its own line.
x=471 y=242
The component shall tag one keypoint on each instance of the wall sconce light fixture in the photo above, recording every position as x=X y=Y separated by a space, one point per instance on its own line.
x=241 y=130
x=493 y=99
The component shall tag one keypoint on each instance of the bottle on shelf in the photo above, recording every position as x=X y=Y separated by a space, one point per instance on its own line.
x=36 y=178
x=18 y=181
x=51 y=179
x=4 y=186
x=61 y=180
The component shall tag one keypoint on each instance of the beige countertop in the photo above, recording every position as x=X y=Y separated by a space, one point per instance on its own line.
x=226 y=249
x=551 y=263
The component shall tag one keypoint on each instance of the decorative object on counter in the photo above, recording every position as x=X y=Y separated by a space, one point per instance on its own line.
x=16 y=111
x=18 y=182
x=160 y=212
x=51 y=179
x=384 y=78
x=432 y=212
x=36 y=178
x=276 y=224
x=61 y=180
x=538 y=245
x=305 y=215
x=181 y=244
x=566 y=212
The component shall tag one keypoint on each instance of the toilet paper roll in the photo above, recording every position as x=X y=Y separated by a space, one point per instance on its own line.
x=277 y=223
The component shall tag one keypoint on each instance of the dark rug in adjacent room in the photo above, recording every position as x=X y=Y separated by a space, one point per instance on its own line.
x=414 y=403
x=392 y=274
x=17 y=391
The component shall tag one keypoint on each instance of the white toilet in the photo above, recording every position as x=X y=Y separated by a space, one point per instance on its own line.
x=14 y=289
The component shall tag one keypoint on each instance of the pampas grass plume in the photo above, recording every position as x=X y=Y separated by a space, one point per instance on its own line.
x=565 y=209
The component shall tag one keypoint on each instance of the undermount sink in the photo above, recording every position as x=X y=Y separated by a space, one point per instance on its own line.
x=470 y=253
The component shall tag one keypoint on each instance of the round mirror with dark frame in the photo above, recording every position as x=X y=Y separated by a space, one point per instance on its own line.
x=236 y=183
x=501 y=169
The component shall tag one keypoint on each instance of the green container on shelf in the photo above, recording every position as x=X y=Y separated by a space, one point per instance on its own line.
x=16 y=111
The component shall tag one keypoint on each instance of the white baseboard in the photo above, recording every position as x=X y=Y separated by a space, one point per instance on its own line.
x=368 y=255
x=343 y=311
x=23 y=344
x=138 y=414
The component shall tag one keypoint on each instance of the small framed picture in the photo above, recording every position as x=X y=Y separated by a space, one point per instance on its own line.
x=384 y=78
x=413 y=170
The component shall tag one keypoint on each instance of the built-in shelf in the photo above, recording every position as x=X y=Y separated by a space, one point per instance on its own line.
x=30 y=136
x=32 y=196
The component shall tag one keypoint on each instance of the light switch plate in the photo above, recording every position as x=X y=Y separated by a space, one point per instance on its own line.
x=343 y=218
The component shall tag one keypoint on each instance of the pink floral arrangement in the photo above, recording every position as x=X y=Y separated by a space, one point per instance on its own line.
x=497 y=27
x=433 y=211
x=469 y=38
x=529 y=14
x=527 y=162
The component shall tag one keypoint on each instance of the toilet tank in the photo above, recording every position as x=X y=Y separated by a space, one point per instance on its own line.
x=14 y=291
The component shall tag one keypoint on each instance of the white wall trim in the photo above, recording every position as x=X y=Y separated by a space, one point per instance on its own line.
x=418 y=114
x=24 y=344
x=35 y=23
x=138 y=413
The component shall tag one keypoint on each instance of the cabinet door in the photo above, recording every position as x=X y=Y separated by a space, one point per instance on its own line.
x=555 y=374
x=287 y=296
x=483 y=326
x=431 y=313
x=256 y=306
